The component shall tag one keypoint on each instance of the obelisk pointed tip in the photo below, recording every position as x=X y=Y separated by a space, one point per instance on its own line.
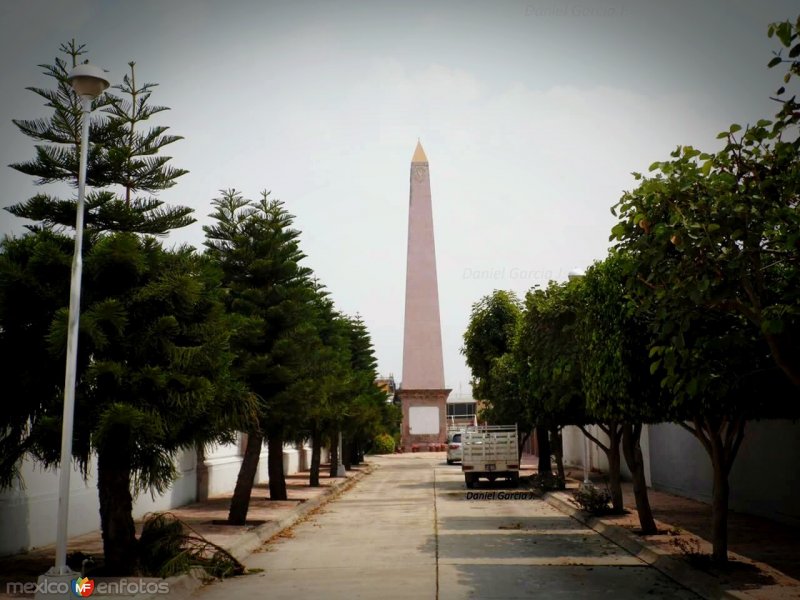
x=419 y=154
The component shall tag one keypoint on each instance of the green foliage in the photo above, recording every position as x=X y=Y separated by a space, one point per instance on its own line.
x=489 y=343
x=615 y=341
x=271 y=302
x=153 y=355
x=489 y=335
x=788 y=34
x=119 y=154
x=135 y=164
x=383 y=444
x=717 y=235
x=34 y=286
x=364 y=406
x=157 y=379
x=549 y=354
x=60 y=134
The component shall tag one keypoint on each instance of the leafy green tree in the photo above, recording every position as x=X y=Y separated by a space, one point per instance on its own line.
x=714 y=242
x=549 y=356
x=270 y=298
x=616 y=378
x=489 y=351
x=720 y=230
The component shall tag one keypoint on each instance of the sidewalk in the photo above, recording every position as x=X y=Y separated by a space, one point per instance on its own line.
x=765 y=554
x=266 y=519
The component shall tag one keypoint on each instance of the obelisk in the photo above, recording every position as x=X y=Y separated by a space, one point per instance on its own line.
x=422 y=393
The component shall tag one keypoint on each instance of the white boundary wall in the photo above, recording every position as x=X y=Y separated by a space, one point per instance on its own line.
x=28 y=511
x=676 y=462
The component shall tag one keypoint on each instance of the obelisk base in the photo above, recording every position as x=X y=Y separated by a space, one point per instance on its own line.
x=422 y=424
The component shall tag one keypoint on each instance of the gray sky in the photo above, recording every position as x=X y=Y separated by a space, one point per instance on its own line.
x=533 y=114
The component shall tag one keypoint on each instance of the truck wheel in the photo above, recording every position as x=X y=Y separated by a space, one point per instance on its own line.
x=514 y=479
x=469 y=481
x=449 y=462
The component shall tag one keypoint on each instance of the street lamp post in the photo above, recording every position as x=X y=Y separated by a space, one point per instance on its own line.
x=89 y=82
x=340 y=472
x=573 y=275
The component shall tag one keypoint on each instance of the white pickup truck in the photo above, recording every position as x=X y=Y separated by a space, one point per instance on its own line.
x=491 y=452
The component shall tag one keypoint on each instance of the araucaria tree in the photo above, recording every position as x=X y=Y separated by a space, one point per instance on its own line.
x=153 y=351
x=271 y=301
x=365 y=409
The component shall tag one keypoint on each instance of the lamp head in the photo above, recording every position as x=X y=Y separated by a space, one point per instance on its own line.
x=88 y=80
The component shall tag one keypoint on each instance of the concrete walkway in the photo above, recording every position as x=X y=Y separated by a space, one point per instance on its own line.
x=411 y=530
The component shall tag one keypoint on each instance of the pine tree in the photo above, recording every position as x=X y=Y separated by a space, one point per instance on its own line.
x=270 y=297
x=367 y=411
x=153 y=364
x=327 y=369
x=120 y=154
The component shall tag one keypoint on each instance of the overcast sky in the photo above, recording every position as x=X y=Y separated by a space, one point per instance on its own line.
x=533 y=115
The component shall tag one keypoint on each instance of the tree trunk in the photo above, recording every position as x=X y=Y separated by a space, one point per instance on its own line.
x=522 y=441
x=545 y=466
x=631 y=447
x=347 y=448
x=719 y=505
x=558 y=450
x=116 y=514
x=334 y=453
x=614 y=478
x=316 y=452
x=355 y=453
x=240 y=503
x=277 y=478
x=721 y=437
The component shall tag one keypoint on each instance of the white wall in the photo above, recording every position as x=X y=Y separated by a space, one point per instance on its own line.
x=763 y=481
x=573 y=440
x=218 y=469
x=28 y=511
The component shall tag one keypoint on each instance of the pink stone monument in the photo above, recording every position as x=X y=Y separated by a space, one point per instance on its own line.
x=422 y=393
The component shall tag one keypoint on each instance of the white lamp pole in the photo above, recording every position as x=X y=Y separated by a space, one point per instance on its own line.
x=340 y=472
x=89 y=82
x=586 y=480
x=572 y=276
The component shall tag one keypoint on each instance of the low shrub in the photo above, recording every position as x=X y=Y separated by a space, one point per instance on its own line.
x=383 y=444
x=593 y=500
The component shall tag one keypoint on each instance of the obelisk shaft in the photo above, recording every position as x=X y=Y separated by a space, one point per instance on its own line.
x=422 y=342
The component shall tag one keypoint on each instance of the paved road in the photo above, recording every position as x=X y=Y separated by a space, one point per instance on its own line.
x=409 y=531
